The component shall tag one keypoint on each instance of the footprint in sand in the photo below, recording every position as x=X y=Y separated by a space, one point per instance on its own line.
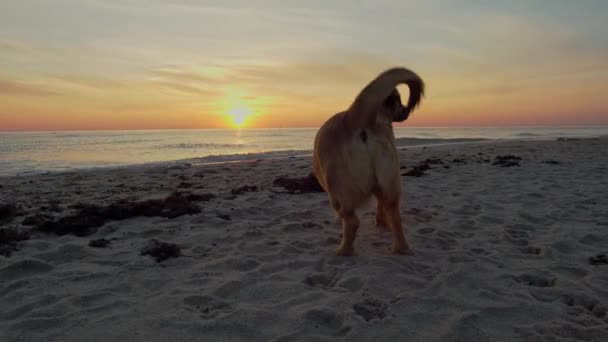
x=325 y=318
x=467 y=225
x=561 y=332
x=292 y=227
x=537 y=280
x=580 y=302
x=24 y=268
x=381 y=244
x=480 y=251
x=443 y=243
x=454 y=234
x=592 y=305
x=325 y=279
x=425 y=231
x=243 y=265
x=330 y=241
x=42 y=301
x=229 y=289
x=208 y=307
x=352 y=284
x=532 y=219
x=311 y=226
x=370 y=309
x=593 y=239
x=516 y=236
x=531 y=250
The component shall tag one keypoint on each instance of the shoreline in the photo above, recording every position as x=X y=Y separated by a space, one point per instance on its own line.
x=138 y=154
x=252 y=157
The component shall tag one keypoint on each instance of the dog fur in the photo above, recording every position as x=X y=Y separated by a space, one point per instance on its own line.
x=355 y=157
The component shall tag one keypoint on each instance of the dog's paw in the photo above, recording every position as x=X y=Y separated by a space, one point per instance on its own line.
x=343 y=251
x=402 y=250
x=381 y=222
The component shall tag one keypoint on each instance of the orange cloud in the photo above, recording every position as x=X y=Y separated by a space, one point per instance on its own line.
x=18 y=88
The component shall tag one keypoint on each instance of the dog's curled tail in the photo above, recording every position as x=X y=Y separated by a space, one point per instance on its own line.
x=365 y=106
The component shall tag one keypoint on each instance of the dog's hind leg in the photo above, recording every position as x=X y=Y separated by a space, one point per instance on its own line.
x=381 y=221
x=400 y=245
x=388 y=192
x=350 y=224
x=388 y=210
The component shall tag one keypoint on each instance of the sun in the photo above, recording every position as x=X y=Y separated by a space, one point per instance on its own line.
x=239 y=115
x=239 y=107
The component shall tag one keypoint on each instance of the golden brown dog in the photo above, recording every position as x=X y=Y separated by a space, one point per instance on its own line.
x=355 y=156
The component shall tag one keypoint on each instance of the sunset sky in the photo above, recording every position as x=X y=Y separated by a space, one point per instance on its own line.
x=151 y=64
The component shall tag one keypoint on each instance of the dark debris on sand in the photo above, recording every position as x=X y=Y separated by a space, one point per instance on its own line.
x=551 y=161
x=224 y=217
x=53 y=206
x=99 y=243
x=36 y=219
x=9 y=238
x=433 y=161
x=508 y=157
x=418 y=170
x=506 y=163
x=299 y=185
x=508 y=160
x=8 y=211
x=600 y=259
x=244 y=189
x=414 y=172
x=199 y=197
x=90 y=216
x=161 y=251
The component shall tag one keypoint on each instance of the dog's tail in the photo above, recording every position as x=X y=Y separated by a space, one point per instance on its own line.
x=363 y=110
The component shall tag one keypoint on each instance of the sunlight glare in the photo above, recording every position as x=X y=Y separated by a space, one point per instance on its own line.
x=239 y=115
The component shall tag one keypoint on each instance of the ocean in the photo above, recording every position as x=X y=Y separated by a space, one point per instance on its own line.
x=43 y=152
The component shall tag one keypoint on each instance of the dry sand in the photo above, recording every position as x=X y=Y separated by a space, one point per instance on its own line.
x=500 y=253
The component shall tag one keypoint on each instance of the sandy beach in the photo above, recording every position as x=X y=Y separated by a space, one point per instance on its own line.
x=508 y=238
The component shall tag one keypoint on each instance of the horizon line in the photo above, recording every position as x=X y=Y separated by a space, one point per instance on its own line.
x=292 y=128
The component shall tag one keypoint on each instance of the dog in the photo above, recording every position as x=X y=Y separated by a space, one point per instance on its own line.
x=355 y=157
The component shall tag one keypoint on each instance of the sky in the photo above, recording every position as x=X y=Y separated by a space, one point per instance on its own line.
x=155 y=64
